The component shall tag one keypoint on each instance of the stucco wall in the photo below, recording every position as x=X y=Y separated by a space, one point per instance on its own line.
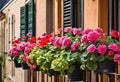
x=91 y=13
x=40 y=17
x=13 y=9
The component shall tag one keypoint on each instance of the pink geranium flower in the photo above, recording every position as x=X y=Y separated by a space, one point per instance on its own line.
x=44 y=34
x=113 y=47
x=59 y=31
x=87 y=31
x=74 y=45
x=102 y=49
x=32 y=66
x=91 y=48
x=66 y=42
x=29 y=34
x=93 y=36
x=52 y=39
x=84 y=38
x=99 y=30
x=68 y=29
x=77 y=31
x=15 y=53
x=57 y=42
x=21 y=46
x=117 y=58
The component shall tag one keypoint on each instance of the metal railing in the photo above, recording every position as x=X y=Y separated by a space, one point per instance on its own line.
x=37 y=76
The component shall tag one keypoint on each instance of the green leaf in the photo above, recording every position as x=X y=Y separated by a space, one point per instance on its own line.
x=92 y=65
x=93 y=57
x=101 y=58
x=84 y=54
x=71 y=68
x=76 y=53
x=83 y=60
x=83 y=47
x=83 y=67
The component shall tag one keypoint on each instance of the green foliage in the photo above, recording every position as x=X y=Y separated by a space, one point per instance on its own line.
x=90 y=60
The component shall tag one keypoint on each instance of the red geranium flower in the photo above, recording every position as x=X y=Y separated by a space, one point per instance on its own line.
x=115 y=34
x=44 y=40
x=110 y=53
x=19 y=39
x=32 y=39
x=49 y=36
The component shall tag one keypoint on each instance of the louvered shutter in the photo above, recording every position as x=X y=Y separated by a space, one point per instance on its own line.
x=31 y=17
x=68 y=13
x=23 y=22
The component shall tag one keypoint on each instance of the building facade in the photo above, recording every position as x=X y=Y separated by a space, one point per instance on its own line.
x=18 y=17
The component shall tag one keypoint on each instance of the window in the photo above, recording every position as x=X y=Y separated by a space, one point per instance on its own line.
x=27 y=22
x=114 y=17
x=73 y=13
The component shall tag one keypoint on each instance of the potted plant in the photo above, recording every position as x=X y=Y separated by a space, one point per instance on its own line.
x=67 y=56
x=40 y=55
x=19 y=50
x=98 y=50
x=28 y=63
x=16 y=51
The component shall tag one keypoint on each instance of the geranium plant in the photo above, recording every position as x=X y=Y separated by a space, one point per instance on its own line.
x=40 y=54
x=96 y=46
x=60 y=53
x=17 y=49
x=67 y=50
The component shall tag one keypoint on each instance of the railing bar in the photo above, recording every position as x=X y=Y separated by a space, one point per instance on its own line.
x=90 y=74
x=42 y=77
x=38 y=76
x=51 y=78
x=64 y=79
x=84 y=76
x=97 y=77
x=47 y=78
x=101 y=75
x=109 y=78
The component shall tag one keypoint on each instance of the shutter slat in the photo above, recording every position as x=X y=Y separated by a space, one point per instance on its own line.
x=67 y=13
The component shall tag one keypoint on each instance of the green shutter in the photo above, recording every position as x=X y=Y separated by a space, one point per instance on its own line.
x=31 y=17
x=23 y=21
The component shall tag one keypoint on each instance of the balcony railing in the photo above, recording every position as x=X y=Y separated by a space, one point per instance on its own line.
x=90 y=77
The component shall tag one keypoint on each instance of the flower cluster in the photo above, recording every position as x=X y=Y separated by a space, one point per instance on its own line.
x=98 y=49
x=16 y=49
x=60 y=53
